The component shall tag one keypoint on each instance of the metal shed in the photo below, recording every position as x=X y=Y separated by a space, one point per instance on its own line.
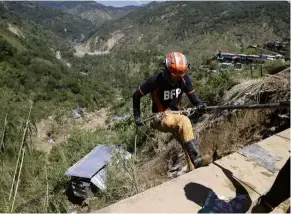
x=91 y=169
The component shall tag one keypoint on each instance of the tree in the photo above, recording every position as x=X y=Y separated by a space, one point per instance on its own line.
x=6 y=50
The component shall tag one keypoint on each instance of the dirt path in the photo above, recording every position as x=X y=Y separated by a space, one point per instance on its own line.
x=81 y=50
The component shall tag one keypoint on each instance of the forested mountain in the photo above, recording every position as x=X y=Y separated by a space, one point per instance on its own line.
x=93 y=11
x=63 y=24
x=196 y=28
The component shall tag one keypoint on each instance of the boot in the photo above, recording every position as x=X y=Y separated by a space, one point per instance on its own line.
x=195 y=156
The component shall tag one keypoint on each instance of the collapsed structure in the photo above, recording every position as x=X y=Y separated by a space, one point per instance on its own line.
x=89 y=173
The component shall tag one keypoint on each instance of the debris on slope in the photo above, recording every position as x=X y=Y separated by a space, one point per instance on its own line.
x=164 y=164
x=14 y=29
x=223 y=132
x=99 y=45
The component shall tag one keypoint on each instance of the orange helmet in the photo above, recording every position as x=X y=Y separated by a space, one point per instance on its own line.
x=177 y=64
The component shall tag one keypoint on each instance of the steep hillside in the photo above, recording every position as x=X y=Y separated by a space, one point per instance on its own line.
x=21 y=32
x=61 y=23
x=196 y=28
x=34 y=66
x=35 y=69
x=93 y=11
x=38 y=66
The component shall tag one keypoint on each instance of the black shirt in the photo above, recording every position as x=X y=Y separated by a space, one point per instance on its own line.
x=165 y=94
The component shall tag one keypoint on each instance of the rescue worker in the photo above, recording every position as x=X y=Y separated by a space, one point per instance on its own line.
x=166 y=90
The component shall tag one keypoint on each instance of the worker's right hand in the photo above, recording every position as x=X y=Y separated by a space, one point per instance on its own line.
x=138 y=121
x=189 y=112
x=201 y=108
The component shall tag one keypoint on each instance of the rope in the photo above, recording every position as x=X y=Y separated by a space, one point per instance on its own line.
x=149 y=118
x=190 y=111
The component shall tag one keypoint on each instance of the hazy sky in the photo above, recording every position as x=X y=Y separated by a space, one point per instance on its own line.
x=122 y=3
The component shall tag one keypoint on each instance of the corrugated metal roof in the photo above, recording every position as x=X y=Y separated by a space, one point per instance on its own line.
x=100 y=179
x=92 y=162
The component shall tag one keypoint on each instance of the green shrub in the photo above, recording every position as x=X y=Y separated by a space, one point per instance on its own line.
x=211 y=88
x=6 y=50
x=274 y=66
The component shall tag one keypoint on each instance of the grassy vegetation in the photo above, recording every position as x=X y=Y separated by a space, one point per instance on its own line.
x=43 y=183
x=30 y=72
x=212 y=87
x=257 y=71
x=63 y=24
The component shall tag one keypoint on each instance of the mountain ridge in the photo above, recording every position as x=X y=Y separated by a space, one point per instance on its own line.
x=61 y=23
x=181 y=25
x=96 y=12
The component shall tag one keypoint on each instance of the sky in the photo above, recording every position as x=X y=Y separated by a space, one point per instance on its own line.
x=122 y=3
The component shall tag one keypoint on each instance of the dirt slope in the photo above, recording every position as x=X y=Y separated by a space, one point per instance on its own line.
x=225 y=131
